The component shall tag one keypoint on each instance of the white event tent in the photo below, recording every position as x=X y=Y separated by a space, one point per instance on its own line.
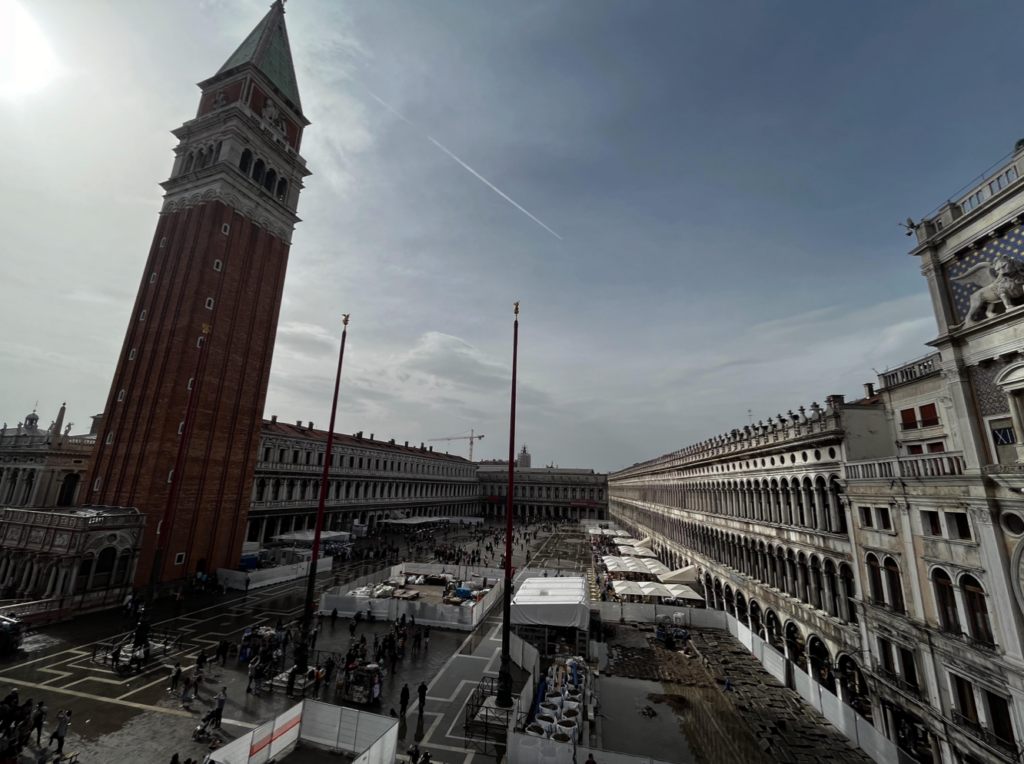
x=561 y=601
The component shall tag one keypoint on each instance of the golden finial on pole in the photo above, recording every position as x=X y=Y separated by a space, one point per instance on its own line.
x=517 y=309
x=345 y=318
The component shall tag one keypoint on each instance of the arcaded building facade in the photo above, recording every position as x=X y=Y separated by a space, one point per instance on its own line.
x=878 y=542
x=370 y=480
x=545 y=492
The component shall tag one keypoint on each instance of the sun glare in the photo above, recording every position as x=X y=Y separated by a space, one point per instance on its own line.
x=27 y=61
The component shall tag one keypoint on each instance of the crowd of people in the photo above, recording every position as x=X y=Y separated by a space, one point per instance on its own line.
x=20 y=720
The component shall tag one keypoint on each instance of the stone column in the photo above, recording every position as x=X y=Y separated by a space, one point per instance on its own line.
x=814 y=593
x=92 y=573
x=74 y=575
x=50 y=582
x=263 y=529
x=809 y=513
x=829 y=594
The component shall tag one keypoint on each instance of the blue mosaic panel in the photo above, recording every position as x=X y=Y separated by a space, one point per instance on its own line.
x=991 y=399
x=1009 y=245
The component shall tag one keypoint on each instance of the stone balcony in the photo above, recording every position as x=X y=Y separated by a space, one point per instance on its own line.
x=924 y=466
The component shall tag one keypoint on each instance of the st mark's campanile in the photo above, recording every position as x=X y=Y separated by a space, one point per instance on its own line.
x=218 y=258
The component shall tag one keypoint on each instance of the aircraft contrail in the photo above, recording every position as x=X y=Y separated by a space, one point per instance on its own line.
x=480 y=177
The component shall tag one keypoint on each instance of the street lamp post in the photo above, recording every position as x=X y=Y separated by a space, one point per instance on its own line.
x=301 y=652
x=504 y=699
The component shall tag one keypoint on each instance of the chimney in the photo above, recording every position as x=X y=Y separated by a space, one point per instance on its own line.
x=359 y=435
x=273 y=418
x=406 y=444
x=391 y=442
x=431 y=449
x=869 y=389
x=299 y=424
x=311 y=425
x=371 y=436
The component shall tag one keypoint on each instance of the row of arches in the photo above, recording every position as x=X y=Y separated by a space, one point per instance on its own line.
x=808 y=651
x=29 y=576
x=545 y=492
x=814 y=579
x=806 y=502
x=263 y=175
x=308 y=489
x=201 y=157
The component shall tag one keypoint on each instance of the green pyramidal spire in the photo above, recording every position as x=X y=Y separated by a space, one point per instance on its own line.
x=267 y=49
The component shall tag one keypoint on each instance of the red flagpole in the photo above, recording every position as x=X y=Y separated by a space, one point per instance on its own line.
x=301 y=651
x=504 y=699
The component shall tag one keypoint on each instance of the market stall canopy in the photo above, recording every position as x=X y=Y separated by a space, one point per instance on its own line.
x=426 y=520
x=607 y=532
x=561 y=601
x=651 y=589
x=635 y=551
x=307 y=536
x=687 y=575
x=634 y=565
x=646 y=543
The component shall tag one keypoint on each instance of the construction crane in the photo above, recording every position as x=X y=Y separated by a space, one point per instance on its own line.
x=471 y=437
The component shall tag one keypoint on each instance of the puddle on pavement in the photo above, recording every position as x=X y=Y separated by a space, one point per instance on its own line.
x=626 y=729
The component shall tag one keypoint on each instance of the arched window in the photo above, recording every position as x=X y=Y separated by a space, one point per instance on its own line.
x=892 y=574
x=246 y=162
x=282 y=189
x=270 y=181
x=104 y=568
x=258 y=171
x=189 y=161
x=977 y=610
x=945 y=601
x=121 y=570
x=875 y=580
x=216 y=152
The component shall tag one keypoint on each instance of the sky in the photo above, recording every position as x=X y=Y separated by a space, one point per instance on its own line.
x=696 y=204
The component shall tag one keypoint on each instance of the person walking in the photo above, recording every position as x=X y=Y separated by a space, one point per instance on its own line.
x=222 y=698
x=422 y=692
x=254 y=665
x=247 y=582
x=201 y=659
x=334 y=617
x=175 y=676
x=186 y=692
x=404 y=699
x=38 y=718
x=63 y=722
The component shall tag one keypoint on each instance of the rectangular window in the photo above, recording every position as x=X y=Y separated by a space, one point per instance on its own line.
x=885 y=655
x=930 y=524
x=999 y=716
x=929 y=415
x=865 y=518
x=959 y=526
x=964 y=692
x=280 y=455
x=908 y=665
x=295 y=457
x=351 y=462
x=908 y=419
x=320 y=460
x=936 y=448
x=360 y=462
x=915 y=450
x=309 y=457
x=266 y=454
x=884 y=521
x=179 y=558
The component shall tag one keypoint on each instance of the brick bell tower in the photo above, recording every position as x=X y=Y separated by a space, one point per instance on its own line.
x=218 y=258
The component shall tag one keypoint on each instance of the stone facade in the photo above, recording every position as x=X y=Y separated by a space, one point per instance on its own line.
x=43 y=468
x=201 y=334
x=545 y=492
x=69 y=559
x=878 y=542
x=370 y=481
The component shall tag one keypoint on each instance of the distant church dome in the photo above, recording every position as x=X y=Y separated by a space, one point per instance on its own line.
x=32 y=421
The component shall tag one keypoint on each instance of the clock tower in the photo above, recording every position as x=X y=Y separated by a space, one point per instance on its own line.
x=211 y=285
